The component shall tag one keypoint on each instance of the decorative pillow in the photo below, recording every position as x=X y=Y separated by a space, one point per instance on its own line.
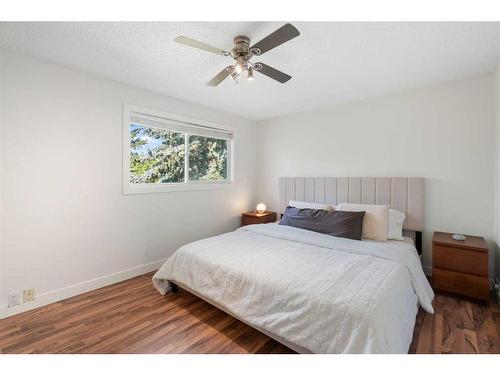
x=333 y=223
x=375 y=222
x=396 y=220
x=314 y=206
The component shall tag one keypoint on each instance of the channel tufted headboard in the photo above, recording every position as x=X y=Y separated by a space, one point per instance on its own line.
x=405 y=194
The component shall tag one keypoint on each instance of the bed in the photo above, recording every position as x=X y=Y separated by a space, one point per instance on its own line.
x=313 y=292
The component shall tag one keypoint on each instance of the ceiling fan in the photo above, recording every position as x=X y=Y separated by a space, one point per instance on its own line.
x=242 y=52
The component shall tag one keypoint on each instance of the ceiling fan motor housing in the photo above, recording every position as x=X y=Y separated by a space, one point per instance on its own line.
x=241 y=47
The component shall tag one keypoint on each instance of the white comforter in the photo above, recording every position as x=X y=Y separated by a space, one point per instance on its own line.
x=313 y=292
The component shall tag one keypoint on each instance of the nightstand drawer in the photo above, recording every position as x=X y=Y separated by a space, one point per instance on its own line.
x=455 y=282
x=249 y=218
x=253 y=220
x=460 y=260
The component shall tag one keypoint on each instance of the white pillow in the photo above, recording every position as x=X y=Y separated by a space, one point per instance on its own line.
x=314 y=206
x=375 y=221
x=396 y=220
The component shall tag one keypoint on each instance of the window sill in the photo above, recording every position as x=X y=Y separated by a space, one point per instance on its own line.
x=170 y=188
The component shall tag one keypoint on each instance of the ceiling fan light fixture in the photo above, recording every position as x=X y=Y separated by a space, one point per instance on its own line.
x=234 y=76
x=250 y=74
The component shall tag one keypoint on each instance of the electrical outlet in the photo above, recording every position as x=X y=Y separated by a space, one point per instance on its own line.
x=14 y=299
x=28 y=295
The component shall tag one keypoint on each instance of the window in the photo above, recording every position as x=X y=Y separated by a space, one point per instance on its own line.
x=156 y=155
x=207 y=159
x=165 y=152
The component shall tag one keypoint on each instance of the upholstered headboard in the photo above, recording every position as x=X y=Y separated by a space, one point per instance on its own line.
x=405 y=194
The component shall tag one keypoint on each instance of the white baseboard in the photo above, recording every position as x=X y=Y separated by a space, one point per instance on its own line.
x=76 y=289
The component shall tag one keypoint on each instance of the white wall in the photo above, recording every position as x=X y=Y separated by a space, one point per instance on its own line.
x=442 y=132
x=3 y=270
x=497 y=169
x=65 y=220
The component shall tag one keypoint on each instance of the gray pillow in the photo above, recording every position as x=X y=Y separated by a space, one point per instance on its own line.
x=344 y=224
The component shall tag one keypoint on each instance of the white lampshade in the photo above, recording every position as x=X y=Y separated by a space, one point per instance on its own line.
x=261 y=207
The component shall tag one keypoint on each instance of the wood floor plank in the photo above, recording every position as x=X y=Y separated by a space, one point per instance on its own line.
x=132 y=317
x=447 y=334
x=458 y=341
x=492 y=333
x=468 y=316
x=471 y=346
x=496 y=318
x=437 y=334
x=416 y=331
x=425 y=338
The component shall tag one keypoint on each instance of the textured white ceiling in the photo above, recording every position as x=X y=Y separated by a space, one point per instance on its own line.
x=330 y=62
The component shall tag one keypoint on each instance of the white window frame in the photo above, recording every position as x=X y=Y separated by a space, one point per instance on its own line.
x=128 y=188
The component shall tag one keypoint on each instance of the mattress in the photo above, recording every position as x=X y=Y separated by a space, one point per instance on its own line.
x=312 y=292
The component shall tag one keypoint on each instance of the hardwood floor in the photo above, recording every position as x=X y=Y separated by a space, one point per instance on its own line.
x=457 y=326
x=131 y=317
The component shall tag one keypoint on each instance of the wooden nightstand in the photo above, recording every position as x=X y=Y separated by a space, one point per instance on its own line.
x=254 y=217
x=460 y=266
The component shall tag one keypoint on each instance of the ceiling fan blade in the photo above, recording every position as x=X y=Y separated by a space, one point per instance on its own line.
x=221 y=76
x=280 y=36
x=197 y=44
x=272 y=73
